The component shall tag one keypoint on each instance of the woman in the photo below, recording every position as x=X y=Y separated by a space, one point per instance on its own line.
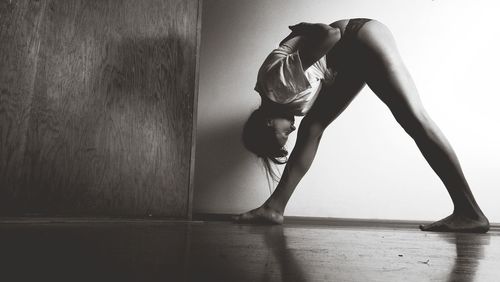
x=317 y=71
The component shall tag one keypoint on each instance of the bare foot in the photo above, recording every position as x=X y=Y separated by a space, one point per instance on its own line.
x=458 y=223
x=261 y=215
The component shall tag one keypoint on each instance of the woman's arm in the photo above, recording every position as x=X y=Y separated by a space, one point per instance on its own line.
x=310 y=28
x=312 y=41
x=307 y=29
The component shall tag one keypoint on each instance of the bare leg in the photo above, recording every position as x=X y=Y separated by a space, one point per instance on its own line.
x=327 y=107
x=330 y=104
x=388 y=77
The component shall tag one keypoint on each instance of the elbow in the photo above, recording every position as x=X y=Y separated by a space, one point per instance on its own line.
x=326 y=30
x=331 y=34
x=328 y=35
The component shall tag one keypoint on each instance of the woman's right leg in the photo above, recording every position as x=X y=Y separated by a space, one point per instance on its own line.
x=388 y=77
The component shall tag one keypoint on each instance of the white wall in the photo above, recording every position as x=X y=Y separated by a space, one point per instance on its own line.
x=366 y=166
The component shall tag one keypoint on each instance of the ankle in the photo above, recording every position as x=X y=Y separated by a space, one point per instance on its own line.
x=469 y=212
x=273 y=207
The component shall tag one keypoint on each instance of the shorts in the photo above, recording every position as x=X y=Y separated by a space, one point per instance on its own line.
x=343 y=57
x=353 y=27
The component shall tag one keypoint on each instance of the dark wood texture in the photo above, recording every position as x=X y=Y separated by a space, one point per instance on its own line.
x=195 y=114
x=219 y=251
x=96 y=106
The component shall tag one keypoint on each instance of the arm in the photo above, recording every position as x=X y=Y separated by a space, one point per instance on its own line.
x=312 y=41
x=307 y=29
x=310 y=28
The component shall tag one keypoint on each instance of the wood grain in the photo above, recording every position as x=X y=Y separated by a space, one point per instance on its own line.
x=231 y=252
x=108 y=107
x=20 y=39
x=128 y=250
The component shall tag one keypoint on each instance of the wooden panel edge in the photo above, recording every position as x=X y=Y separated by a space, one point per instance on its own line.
x=195 y=113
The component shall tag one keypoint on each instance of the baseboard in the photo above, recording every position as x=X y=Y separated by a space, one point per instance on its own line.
x=336 y=222
x=289 y=221
x=62 y=220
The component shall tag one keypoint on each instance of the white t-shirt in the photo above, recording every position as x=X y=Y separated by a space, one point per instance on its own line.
x=282 y=79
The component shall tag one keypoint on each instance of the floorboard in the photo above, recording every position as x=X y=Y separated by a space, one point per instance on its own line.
x=165 y=250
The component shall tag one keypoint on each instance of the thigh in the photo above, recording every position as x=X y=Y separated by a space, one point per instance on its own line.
x=334 y=99
x=386 y=73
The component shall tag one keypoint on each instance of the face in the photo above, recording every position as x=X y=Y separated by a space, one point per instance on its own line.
x=282 y=128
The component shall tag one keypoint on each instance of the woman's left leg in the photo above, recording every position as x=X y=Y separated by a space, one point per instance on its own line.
x=331 y=102
x=388 y=77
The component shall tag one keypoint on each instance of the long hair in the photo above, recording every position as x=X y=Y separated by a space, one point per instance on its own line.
x=260 y=139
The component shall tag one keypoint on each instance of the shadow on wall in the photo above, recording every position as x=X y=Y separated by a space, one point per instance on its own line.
x=221 y=161
x=108 y=130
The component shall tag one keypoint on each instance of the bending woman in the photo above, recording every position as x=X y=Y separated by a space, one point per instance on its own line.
x=317 y=71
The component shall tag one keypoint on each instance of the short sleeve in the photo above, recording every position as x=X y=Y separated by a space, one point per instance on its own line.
x=283 y=78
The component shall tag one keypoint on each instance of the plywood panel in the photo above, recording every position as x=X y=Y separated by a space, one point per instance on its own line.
x=20 y=24
x=109 y=129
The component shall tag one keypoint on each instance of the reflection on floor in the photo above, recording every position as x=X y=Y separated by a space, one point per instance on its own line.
x=129 y=250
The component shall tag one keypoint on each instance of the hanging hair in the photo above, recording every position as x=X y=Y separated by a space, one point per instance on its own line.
x=260 y=139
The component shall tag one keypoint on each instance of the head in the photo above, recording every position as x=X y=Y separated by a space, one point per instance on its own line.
x=281 y=128
x=265 y=134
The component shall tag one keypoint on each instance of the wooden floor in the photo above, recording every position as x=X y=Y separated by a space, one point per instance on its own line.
x=138 y=250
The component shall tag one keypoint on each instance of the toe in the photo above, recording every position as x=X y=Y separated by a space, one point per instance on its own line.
x=241 y=217
x=428 y=227
x=435 y=226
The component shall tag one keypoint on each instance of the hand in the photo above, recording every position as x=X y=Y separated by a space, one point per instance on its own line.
x=309 y=28
x=300 y=27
